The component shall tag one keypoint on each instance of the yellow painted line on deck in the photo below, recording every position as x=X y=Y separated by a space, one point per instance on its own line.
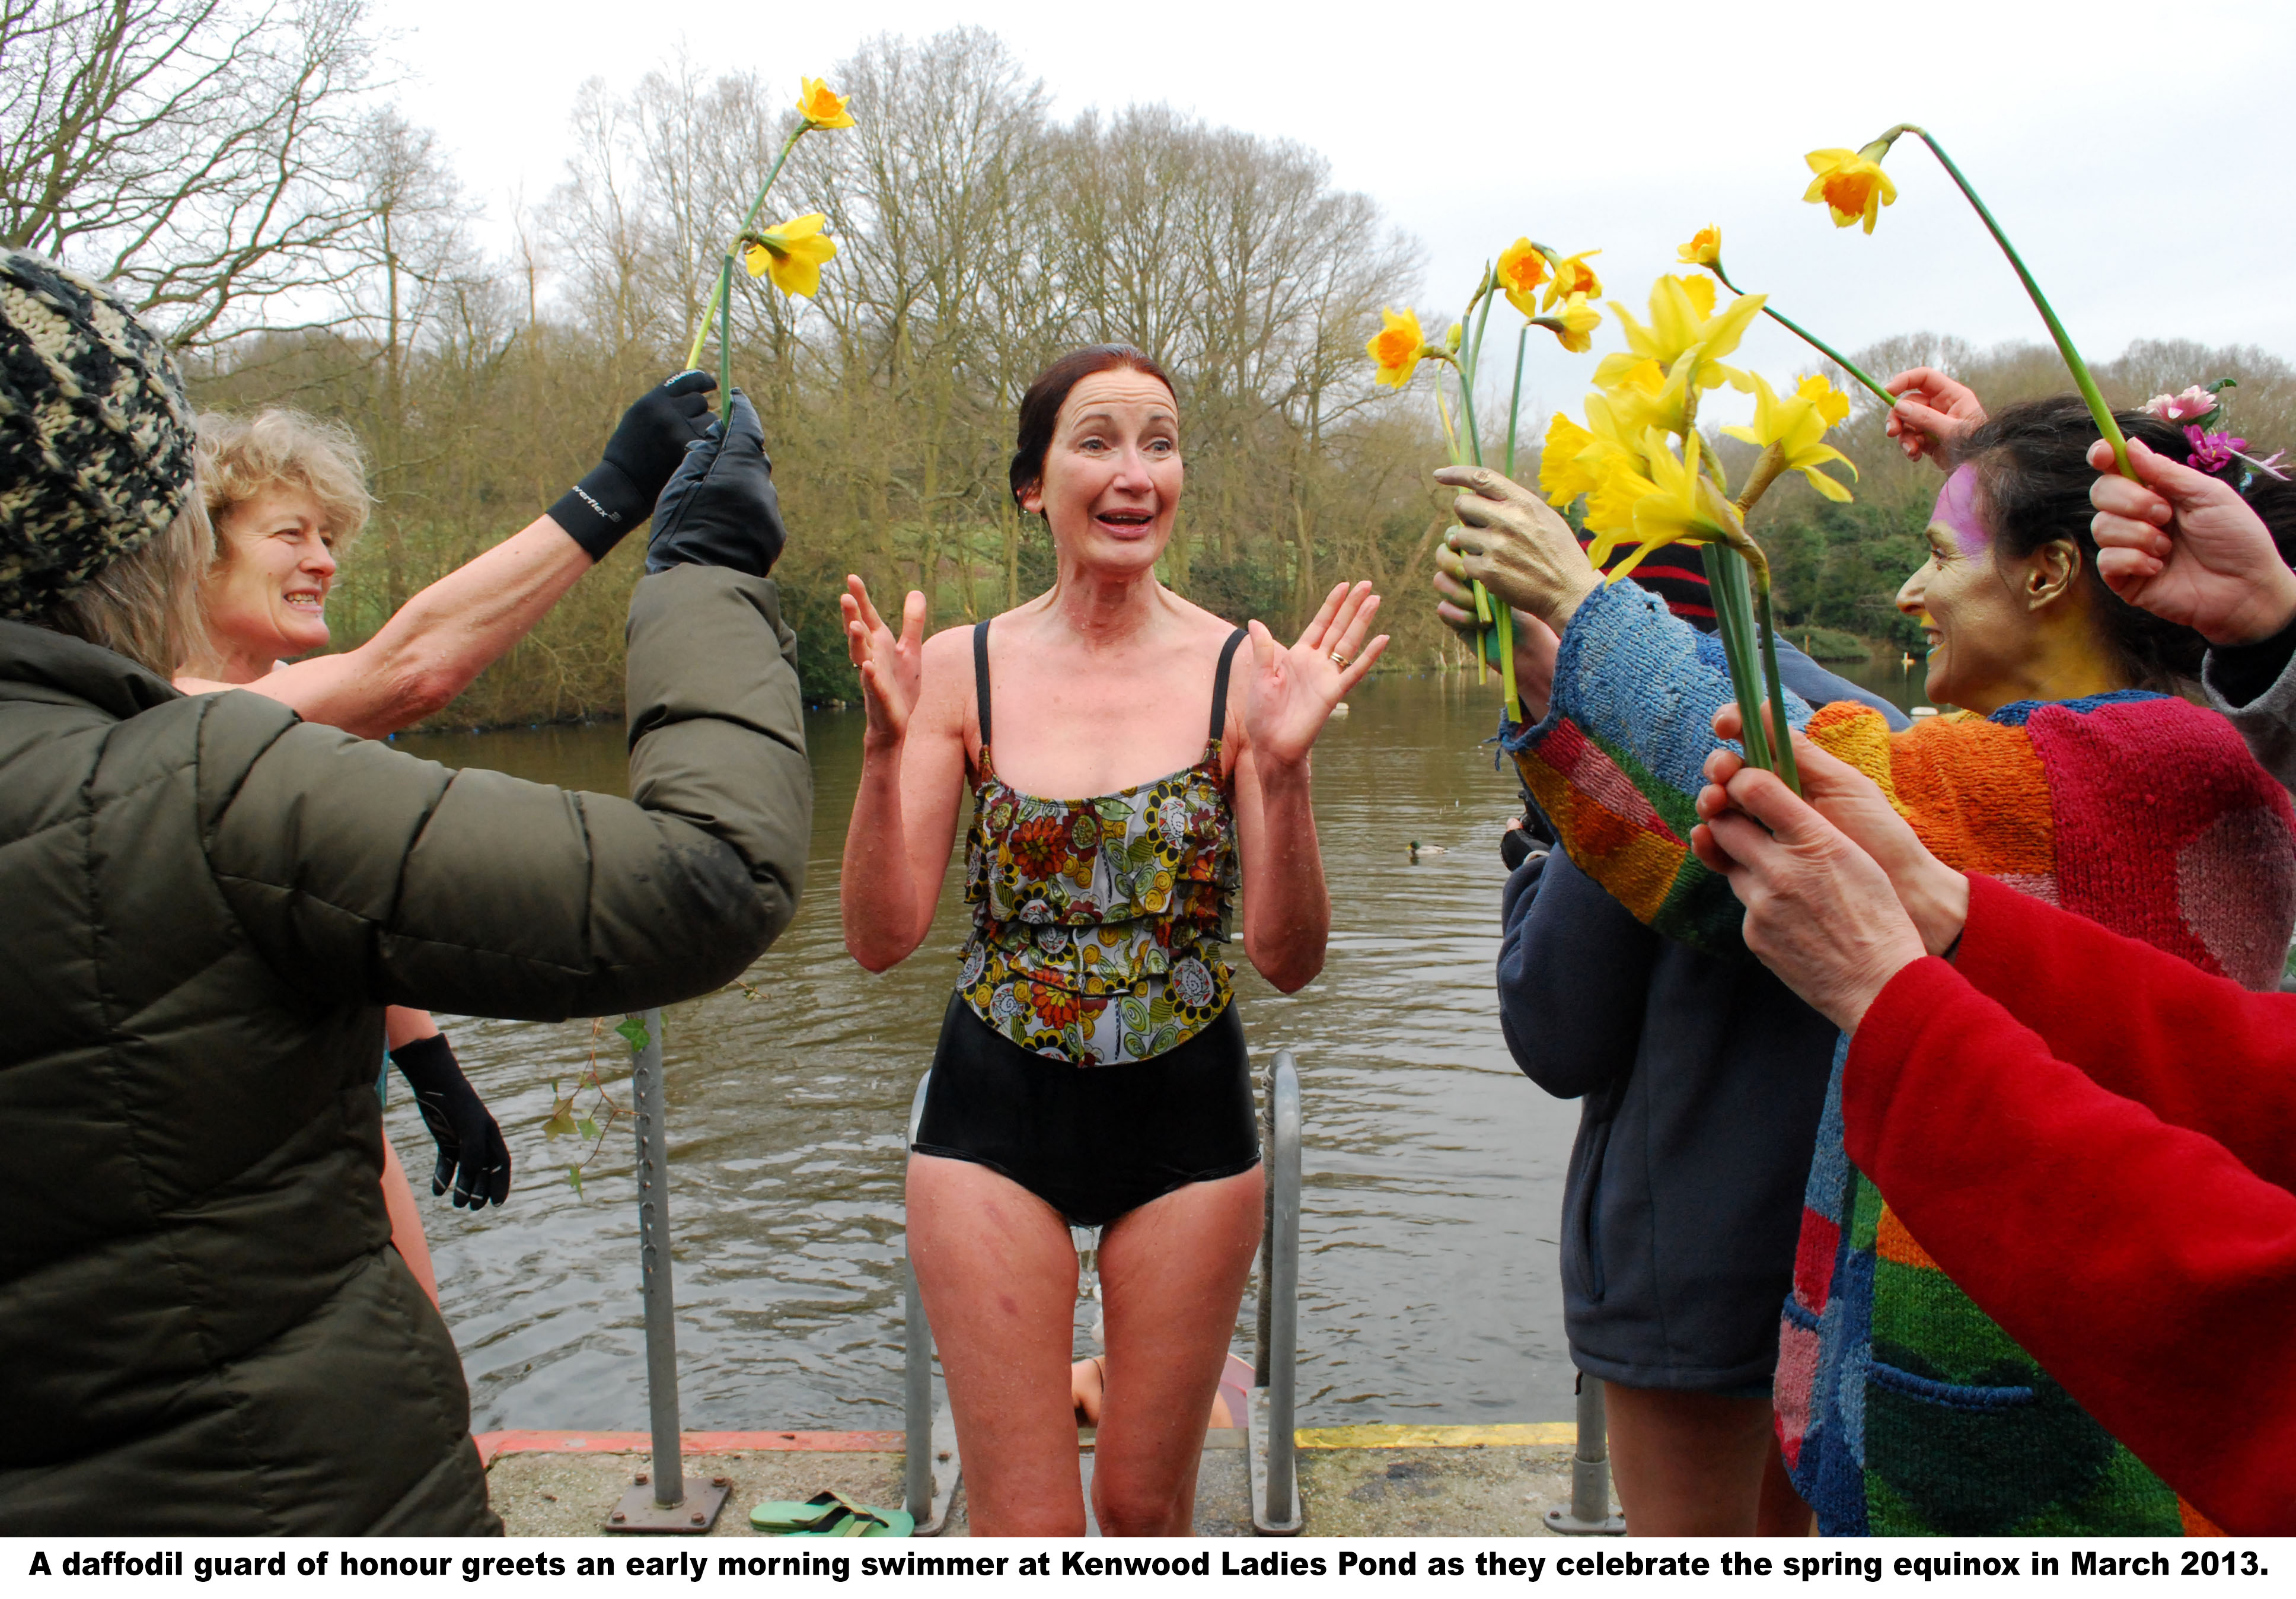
x=1506 y=1434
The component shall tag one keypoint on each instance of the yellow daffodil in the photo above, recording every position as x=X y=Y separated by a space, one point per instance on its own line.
x=792 y=254
x=1666 y=501
x=1853 y=187
x=1572 y=276
x=819 y=107
x=1396 y=348
x=1523 y=267
x=1684 y=320
x=1705 y=246
x=1796 y=424
x=1634 y=395
x=1574 y=325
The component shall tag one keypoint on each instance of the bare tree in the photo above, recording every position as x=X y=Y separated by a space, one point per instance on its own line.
x=202 y=156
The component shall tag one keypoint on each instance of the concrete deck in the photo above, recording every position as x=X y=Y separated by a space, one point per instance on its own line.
x=1354 y=1481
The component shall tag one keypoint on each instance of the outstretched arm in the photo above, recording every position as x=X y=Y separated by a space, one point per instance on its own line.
x=912 y=770
x=440 y=640
x=1288 y=697
x=436 y=644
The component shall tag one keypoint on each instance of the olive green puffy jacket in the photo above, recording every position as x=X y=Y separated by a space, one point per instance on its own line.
x=204 y=905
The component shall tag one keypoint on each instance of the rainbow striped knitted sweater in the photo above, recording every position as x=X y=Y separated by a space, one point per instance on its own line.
x=1902 y=1407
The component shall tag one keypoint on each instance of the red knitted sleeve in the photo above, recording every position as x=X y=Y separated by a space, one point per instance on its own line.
x=2199 y=1051
x=2147 y=1269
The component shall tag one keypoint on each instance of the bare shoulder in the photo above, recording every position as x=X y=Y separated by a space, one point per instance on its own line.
x=945 y=697
x=1211 y=625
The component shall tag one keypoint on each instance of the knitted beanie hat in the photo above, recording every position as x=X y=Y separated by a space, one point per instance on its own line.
x=95 y=433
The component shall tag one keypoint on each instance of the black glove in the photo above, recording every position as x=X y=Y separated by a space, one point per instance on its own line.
x=720 y=509
x=471 y=1147
x=1515 y=846
x=646 y=448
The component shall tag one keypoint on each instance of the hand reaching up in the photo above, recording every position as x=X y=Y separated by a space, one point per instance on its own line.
x=1932 y=411
x=892 y=670
x=1288 y=693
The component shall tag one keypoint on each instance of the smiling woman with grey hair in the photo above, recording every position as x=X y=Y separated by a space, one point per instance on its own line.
x=210 y=902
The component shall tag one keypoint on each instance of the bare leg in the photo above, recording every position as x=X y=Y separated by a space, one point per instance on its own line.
x=999 y=1279
x=1688 y=1464
x=1171 y=1275
x=1783 y=1514
x=407 y=1223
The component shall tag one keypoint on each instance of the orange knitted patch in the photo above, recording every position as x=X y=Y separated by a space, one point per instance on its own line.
x=1892 y=1243
x=1976 y=794
x=1855 y=733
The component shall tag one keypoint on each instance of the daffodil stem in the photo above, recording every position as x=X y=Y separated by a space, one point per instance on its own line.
x=1514 y=405
x=1734 y=620
x=726 y=336
x=724 y=292
x=1813 y=342
x=1782 y=746
x=1487 y=609
x=2086 y=384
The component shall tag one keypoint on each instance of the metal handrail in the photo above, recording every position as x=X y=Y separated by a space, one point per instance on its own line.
x=916 y=1377
x=1589 y=1514
x=665 y=1501
x=1274 y=1466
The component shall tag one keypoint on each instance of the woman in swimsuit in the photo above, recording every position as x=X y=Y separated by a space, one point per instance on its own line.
x=1091 y=1067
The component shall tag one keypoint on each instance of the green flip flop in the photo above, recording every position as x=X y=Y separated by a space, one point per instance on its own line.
x=829 y=1515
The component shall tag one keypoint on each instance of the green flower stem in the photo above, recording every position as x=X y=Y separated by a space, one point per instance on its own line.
x=1786 y=769
x=1732 y=610
x=726 y=336
x=725 y=283
x=1514 y=405
x=2098 y=408
x=1813 y=340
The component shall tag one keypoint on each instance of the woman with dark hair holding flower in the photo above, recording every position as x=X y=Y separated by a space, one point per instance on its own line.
x=2072 y=773
x=1092 y=1067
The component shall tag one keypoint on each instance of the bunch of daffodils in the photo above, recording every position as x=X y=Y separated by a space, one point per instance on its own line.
x=1551 y=290
x=1648 y=481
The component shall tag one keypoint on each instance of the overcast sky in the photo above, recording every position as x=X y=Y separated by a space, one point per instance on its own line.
x=2138 y=154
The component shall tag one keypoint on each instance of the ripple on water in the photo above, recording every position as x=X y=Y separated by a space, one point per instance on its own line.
x=1434 y=1169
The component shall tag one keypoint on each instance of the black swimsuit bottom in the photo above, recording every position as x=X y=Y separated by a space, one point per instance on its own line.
x=1093 y=1142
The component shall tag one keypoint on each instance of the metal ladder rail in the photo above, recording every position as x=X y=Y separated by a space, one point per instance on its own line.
x=669 y=1501
x=1275 y=1511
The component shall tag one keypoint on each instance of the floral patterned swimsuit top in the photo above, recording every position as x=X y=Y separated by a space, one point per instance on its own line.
x=1097 y=923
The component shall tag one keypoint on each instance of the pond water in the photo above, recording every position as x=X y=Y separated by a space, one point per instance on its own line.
x=1434 y=1169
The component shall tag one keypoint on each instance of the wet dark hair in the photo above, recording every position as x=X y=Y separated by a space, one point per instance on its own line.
x=1040 y=407
x=2032 y=468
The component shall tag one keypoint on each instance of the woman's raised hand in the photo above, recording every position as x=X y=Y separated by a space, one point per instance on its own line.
x=2185 y=547
x=1288 y=693
x=891 y=669
x=1932 y=411
x=1513 y=543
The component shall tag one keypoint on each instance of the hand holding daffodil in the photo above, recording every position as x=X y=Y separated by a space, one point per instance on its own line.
x=1288 y=694
x=1513 y=543
x=1536 y=644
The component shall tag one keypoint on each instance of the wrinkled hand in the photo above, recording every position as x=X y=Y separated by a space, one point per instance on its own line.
x=892 y=670
x=1932 y=893
x=1932 y=413
x=2185 y=547
x=1513 y=543
x=1288 y=693
x=1820 y=912
x=1536 y=644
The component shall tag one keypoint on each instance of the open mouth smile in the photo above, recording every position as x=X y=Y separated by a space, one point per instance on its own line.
x=1126 y=524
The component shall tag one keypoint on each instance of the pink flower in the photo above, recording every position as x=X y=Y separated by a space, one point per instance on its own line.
x=2195 y=402
x=2213 y=451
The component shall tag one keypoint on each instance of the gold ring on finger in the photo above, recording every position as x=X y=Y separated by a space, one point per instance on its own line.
x=1338 y=660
